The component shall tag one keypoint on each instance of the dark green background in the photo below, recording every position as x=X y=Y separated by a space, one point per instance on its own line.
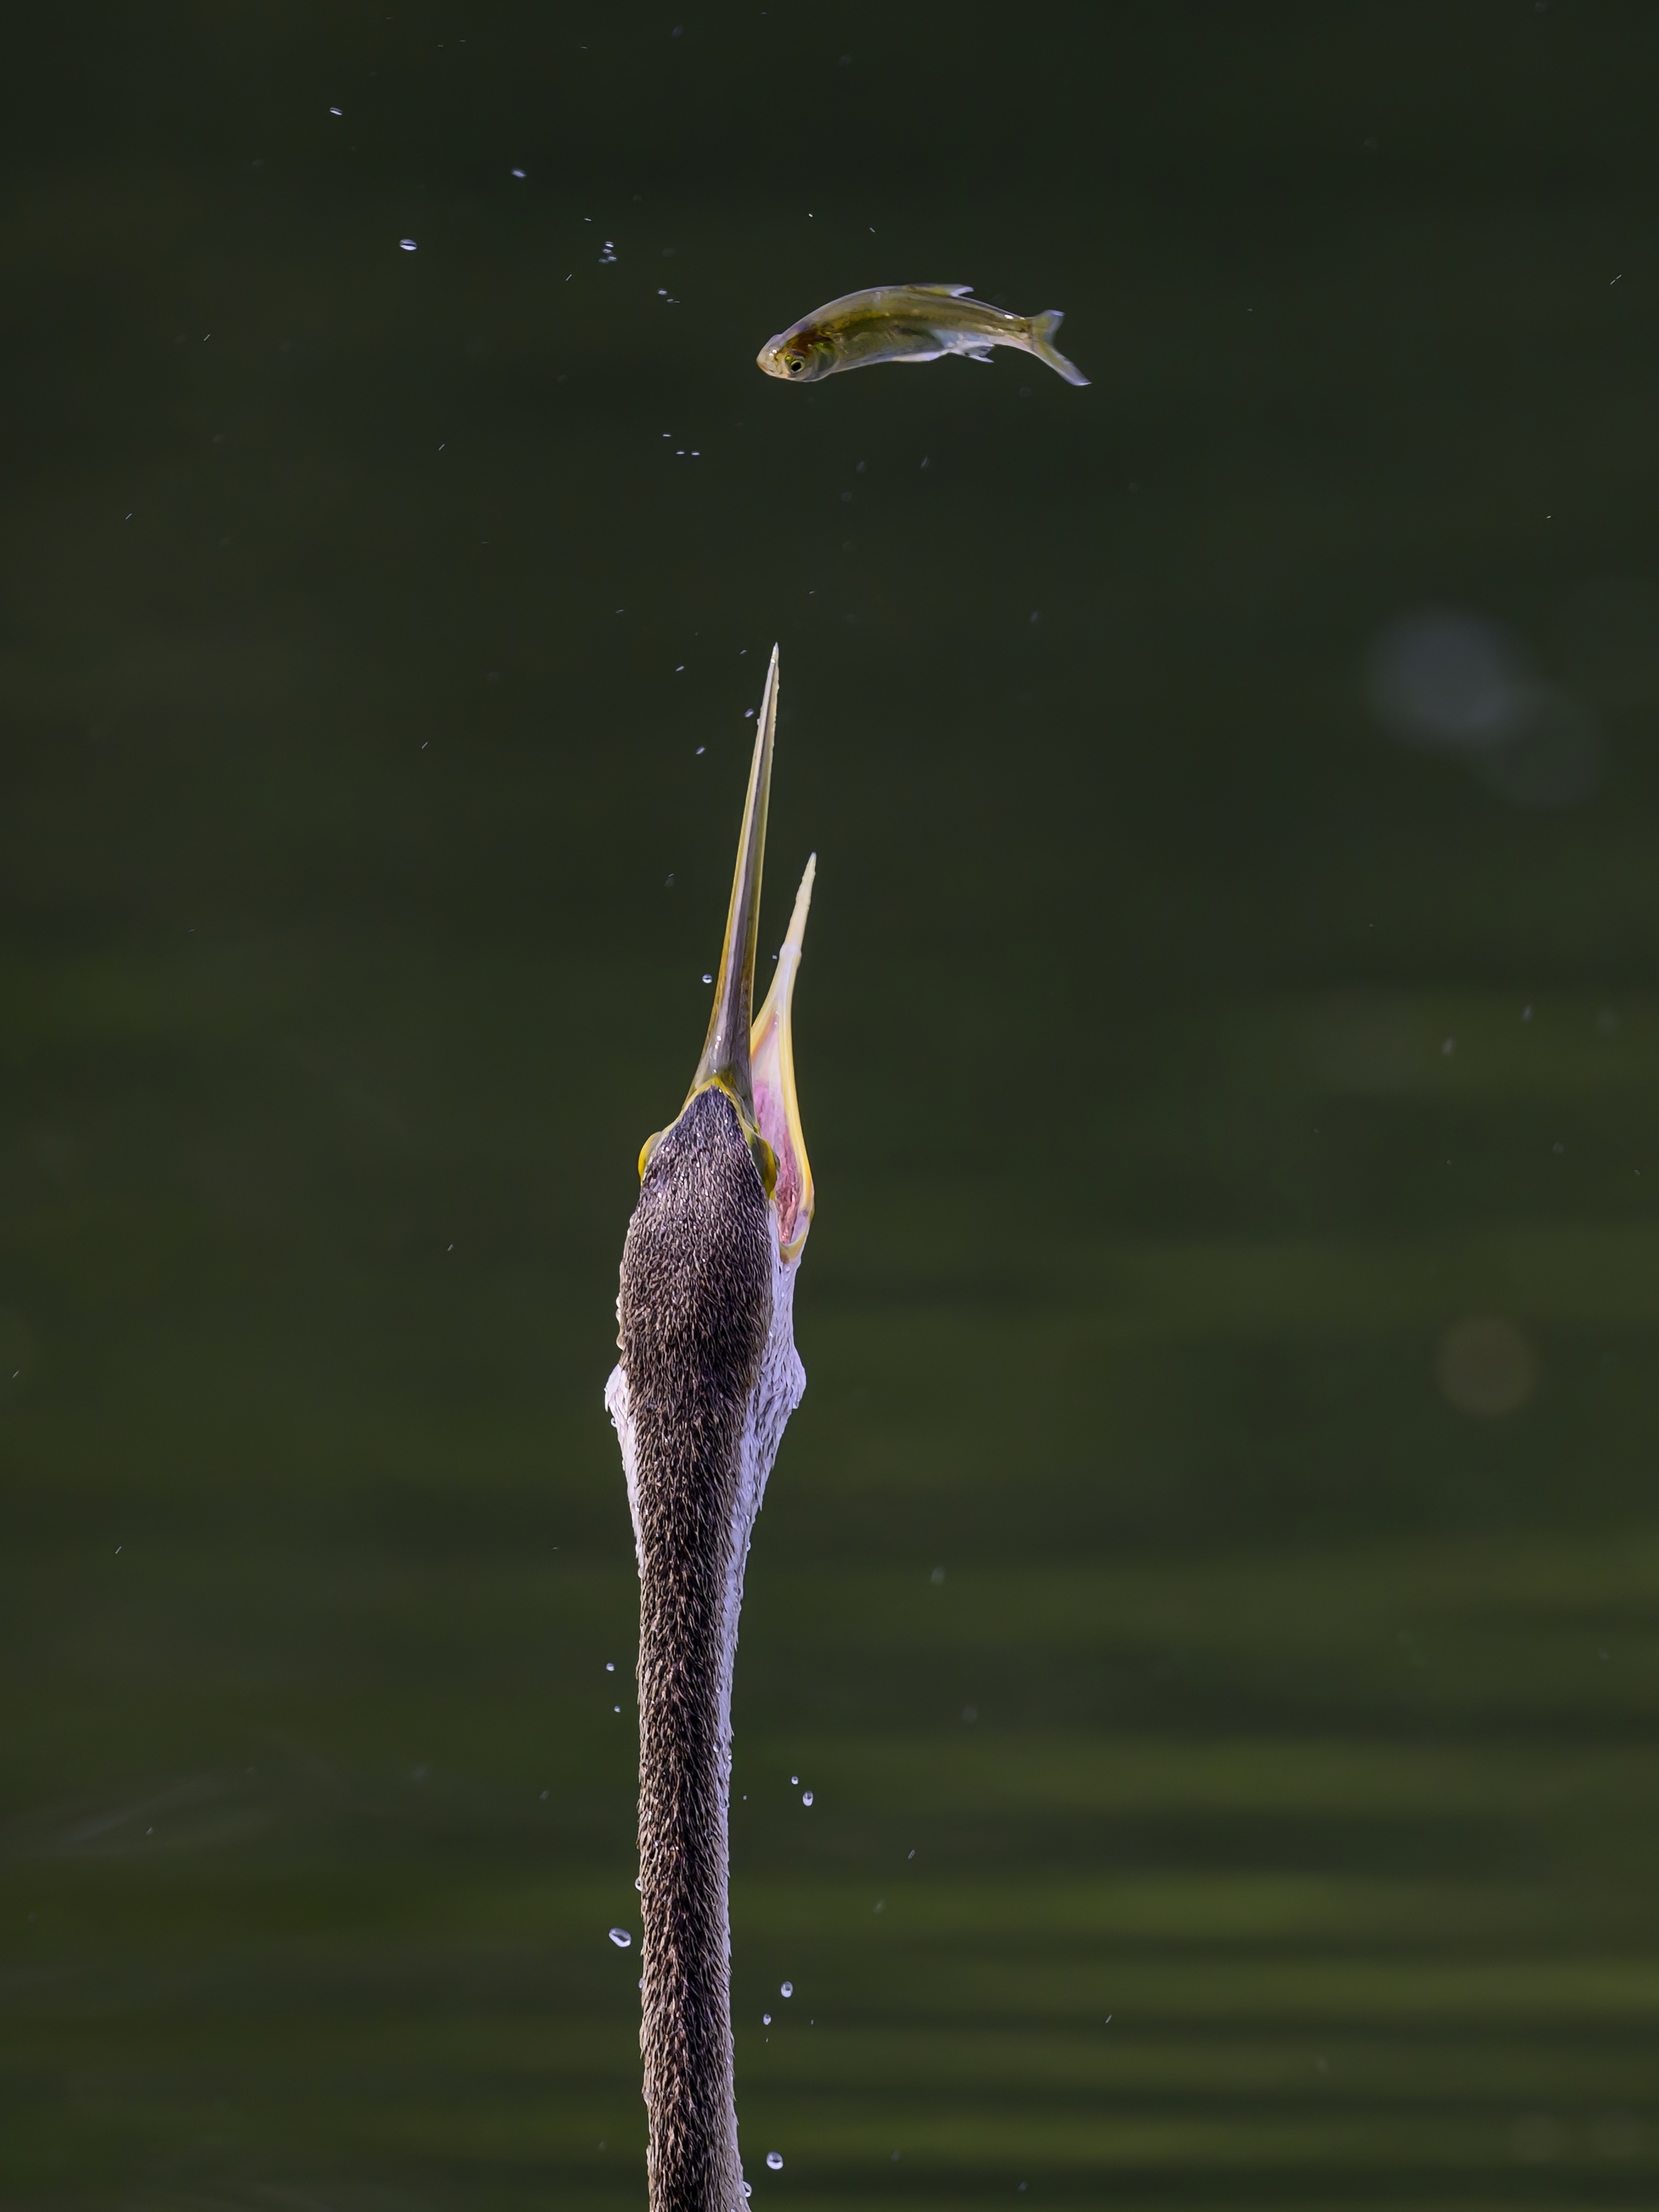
x=1299 y=1722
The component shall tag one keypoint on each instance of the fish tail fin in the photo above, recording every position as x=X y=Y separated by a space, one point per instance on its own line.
x=1043 y=328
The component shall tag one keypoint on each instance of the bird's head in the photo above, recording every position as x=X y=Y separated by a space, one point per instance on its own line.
x=749 y=1057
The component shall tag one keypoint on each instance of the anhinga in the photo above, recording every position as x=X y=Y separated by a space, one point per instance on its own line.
x=708 y=1376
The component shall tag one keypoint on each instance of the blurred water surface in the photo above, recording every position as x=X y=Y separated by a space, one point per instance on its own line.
x=1209 y=1589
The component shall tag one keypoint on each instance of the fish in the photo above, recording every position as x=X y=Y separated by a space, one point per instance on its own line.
x=908 y=322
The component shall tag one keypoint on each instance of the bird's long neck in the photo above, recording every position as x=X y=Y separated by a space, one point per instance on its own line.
x=689 y=1585
x=697 y=1311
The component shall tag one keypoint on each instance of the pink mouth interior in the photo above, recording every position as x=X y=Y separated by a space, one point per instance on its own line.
x=775 y=1128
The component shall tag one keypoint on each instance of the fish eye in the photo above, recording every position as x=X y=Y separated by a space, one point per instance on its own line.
x=796 y=364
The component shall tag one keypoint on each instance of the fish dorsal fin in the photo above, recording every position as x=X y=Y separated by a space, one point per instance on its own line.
x=950 y=291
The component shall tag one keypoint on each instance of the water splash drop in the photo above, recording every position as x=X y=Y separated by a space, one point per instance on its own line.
x=621 y=1938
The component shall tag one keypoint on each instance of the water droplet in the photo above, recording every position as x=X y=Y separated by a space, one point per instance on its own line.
x=805 y=1797
x=408 y=245
x=709 y=978
x=786 y=1989
x=621 y=1938
x=766 y=2019
x=774 y=2160
x=794 y=1782
x=609 y=1666
x=518 y=173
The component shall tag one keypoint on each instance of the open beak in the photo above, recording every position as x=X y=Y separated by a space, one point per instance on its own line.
x=752 y=1058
